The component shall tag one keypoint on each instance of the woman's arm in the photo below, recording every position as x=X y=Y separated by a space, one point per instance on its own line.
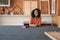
x=32 y=25
x=39 y=22
x=31 y=22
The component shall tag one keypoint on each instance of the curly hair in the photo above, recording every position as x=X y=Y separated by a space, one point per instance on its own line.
x=39 y=13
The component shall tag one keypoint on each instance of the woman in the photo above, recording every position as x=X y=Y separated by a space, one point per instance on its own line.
x=35 y=19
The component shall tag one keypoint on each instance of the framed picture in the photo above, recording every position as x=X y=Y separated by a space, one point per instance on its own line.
x=4 y=2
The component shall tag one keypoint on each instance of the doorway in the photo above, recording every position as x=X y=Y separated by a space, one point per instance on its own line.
x=28 y=6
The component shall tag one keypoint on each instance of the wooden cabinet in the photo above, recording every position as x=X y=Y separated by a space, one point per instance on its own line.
x=44 y=7
x=55 y=20
x=16 y=6
x=58 y=7
x=56 y=17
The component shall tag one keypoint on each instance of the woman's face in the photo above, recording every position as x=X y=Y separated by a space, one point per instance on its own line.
x=36 y=13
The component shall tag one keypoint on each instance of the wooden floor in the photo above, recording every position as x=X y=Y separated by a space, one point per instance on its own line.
x=53 y=35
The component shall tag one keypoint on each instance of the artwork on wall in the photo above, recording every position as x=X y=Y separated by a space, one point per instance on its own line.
x=53 y=6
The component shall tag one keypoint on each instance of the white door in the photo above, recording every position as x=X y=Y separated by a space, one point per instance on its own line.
x=28 y=6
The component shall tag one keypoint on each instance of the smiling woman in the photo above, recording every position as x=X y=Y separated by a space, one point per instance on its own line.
x=35 y=19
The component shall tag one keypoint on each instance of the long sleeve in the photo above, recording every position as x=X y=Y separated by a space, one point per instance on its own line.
x=31 y=20
x=35 y=21
x=39 y=22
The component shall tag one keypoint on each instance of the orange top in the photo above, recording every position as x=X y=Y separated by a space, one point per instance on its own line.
x=36 y=20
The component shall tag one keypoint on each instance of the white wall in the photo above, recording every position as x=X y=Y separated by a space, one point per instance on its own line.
x=19 y=20
x=13 y=20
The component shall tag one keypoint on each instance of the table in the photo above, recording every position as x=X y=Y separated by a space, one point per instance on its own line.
x=53 y=35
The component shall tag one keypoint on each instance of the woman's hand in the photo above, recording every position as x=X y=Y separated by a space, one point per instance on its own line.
x=34 y=25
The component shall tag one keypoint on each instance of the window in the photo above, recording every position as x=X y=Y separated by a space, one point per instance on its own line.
x=4 y=2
